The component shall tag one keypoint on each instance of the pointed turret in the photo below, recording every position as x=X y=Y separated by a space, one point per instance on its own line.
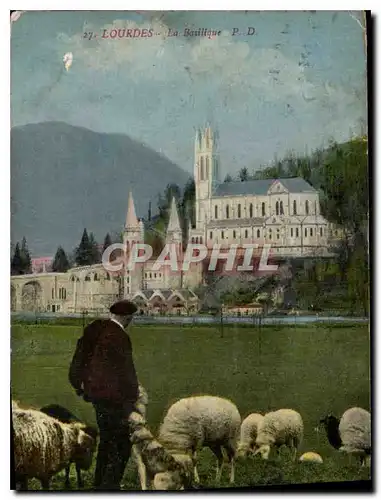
x=174 y=222
x=131 y=219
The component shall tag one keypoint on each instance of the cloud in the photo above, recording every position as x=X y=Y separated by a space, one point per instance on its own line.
x=234 y=68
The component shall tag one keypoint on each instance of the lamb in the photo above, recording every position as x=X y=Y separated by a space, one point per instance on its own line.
x=43 y=446
x=194 y=422
x=162 y=471
x=248 y=434
x=352 y=434
x=66 y=417
x=277 y=428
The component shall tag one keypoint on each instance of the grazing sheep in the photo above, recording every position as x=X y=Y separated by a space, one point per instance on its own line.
x=194 y=422
x=311 y=457
x=65 y=416
x=44 y=446
x=281 y=427
x=352 y=434
x=162 y=471
x=248 y=434
x=141 y=409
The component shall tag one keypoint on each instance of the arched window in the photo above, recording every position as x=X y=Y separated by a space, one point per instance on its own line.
x=72 y=278
x=251 y=210
x=107 y=276
x=277 y=234
x=263 y=209
x=258 y=233
x=239 y=211
x=292 y=232
x=270 y=234
x=294 y=207
x=207 y=168
x=96 y=277
x=307 y=207
x=297 y=232
x=227 y=211
x=321 y=231
x=311 y=231
x=281 y=208
x=246 y=233
x=277 y=208
x=305 y=232
x=222 y=235
x=200 y=240
x=202 y=168
x=210 y=235
x=234 y=234
x=215 y=212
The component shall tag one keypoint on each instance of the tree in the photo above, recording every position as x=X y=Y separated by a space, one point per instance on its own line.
x=94 y=252
x=243 y=174
x=60 y=262
x=26 y=266
x=84 y=252
x=16 y=263
x=228 y=178
x=106 y=243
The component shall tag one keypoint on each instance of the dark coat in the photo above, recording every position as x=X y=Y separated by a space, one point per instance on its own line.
x=102 y=367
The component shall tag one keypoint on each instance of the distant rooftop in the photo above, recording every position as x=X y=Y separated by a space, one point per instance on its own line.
x=261 y=187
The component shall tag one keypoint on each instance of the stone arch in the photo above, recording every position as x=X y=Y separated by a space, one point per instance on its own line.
x=13 y=298
x=31 y=296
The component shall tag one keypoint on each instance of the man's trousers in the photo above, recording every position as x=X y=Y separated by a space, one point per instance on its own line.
x=114 y=448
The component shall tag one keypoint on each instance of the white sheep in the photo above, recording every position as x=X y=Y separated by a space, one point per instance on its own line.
x=277 y=428
x=44 y=446
x=162 y=471
x=194 y=422
x=141 y=409
x=248 y=434
x=355 y=433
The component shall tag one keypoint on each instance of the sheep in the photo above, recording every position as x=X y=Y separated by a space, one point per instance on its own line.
x=352 y=434
x=66 y=417
x=277 y=428
x=194 y=422
x=162 y=471
x=141 y=409
x=44 y=446
x=248 y=434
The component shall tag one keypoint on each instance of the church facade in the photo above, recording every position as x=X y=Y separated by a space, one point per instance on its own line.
x=282 y=213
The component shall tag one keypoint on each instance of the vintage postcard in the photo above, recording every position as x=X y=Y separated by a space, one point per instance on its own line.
x=190 y=275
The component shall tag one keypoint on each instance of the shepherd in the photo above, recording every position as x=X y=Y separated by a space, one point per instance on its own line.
x=102 y=371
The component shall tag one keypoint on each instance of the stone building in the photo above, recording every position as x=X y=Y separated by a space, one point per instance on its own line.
x=283 y=213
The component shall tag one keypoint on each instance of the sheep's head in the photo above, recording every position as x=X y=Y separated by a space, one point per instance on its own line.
x=329 y=422
x=166 y=481
x=263 y=450
x=331 y=426
x=178 y=479
x=242 y=451
x=85 y=448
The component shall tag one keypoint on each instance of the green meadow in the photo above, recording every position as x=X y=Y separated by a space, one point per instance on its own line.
x=315 y=370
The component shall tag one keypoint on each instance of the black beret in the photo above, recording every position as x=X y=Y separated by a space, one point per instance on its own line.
x=123 y=308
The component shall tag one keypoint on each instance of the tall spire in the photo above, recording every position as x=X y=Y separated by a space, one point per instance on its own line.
x=131 y=219
x=174 y=222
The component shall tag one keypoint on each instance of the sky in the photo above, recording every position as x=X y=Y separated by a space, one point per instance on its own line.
x=295 y=84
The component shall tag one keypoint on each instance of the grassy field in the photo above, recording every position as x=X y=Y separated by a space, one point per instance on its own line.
x=314 y=369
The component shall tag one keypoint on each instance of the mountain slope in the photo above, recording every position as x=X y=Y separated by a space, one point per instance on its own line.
x=65 y=178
